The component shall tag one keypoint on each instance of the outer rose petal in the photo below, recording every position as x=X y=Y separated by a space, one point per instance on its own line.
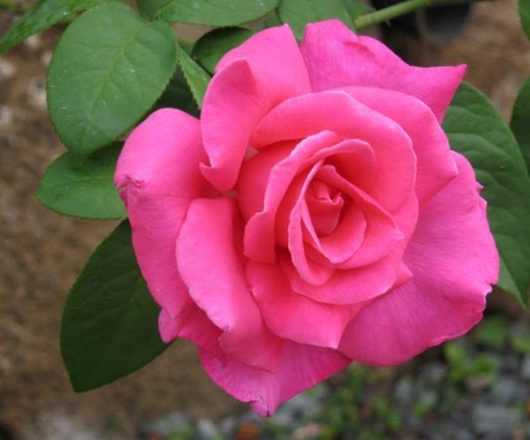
x=251 y=79
x=300 y=368
x=454 y=263
x=336 y=57
x=211 y=264
x=158 y=175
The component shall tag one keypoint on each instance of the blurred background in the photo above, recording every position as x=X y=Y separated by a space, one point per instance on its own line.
x=474 y=388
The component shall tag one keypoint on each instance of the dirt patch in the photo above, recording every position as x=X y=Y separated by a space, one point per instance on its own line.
x=41 y=252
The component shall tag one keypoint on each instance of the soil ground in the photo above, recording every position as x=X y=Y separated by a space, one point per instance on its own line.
x=41 y=252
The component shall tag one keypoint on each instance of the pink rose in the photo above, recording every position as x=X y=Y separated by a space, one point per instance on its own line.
x=314 y=215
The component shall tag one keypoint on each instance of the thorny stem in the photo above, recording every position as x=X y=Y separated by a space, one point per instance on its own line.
x=399 y=9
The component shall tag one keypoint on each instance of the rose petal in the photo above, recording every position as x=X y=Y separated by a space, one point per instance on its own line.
x=350 y=286
x=158 y=175
x=251 y=79
x=259 y=231
x=435 y=164
x=381 y=234
x=300 y=368
x=210 y=262
x=193 y=325
x=336 y=57
x=338 y=112
x=311 y=272
x=454 y=263
x=292 y=316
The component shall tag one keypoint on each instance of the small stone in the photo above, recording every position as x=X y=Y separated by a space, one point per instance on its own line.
x=228 y=426
x=525 y=368
x=433 y=373
x=206 y=430
x=33 y=42
x=7 y=70
x=507 y=390
x=404 y=390
x=494 y=420
x=166 y=425
x=37 y=93
x=248 y=431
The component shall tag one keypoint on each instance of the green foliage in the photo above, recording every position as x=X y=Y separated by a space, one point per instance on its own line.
x=149 y=8
x=212 y=46
x=83 y=187
x=356 y=8
x=520 y=339
x=465 y=367
x=524 y=14
x=208 y=12
x=297 y=13
x=492 y=332
x=108 y=69
x=477 y=130
x=44 y=14
x=178 y=95
x=520 y=123
x=195 y=75
x=109 y=326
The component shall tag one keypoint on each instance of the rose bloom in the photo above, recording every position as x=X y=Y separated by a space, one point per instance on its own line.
x=315 y=215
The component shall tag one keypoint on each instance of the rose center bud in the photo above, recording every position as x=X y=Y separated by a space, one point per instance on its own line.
x=325 y=207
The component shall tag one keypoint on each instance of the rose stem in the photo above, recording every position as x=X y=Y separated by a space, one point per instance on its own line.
x=398 y=9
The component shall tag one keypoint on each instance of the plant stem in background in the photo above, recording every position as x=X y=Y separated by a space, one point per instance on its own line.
x=12 y=6
x=399 y=9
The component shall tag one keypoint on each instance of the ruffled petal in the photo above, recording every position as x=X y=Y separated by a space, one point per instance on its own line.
x=454 y=263
x=158 y=175
x=336 y=57
x=210 y=262
x=351 y=286
x=292 y=316
x=259 y=231
x=251 y=79
x=300 y=367
x=435 y=164
x=338 y=112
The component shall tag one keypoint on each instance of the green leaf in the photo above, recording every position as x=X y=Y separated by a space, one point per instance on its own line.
x=195 y=75
x=524 y=14
x=178 y=95
x=211 y=47
x=44 y=14
x=297 y=13
x=108 y=69
x=213 y=12
x=520 y=123
x=356 y=8
x=83 y=187
x=109 y=326
x=149 y=8
x=477 y=130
